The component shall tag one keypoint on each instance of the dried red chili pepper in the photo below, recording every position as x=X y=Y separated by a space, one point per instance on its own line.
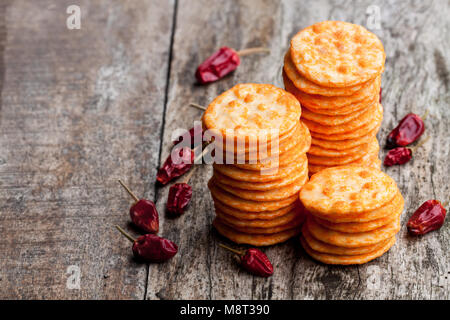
x=180 y=195
x=398 y=155
x=410 y=128
x=221 y=63
x=401 y=155
x=143 y=213
x=171 y=170
x=151 y=248
x=428 y=217
x=254 y=261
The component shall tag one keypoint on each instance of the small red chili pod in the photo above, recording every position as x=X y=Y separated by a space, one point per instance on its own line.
x=254 y=261
x=143 y=213
x=428 y=217
x=221 y=63
x=151 y=248
x=410 y=128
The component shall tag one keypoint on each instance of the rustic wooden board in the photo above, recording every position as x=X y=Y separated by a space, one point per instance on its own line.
x=416 y=78
x=79 y=109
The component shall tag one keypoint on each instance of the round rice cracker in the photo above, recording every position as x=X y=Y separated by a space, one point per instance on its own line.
x=278 y=193
x=343 y=144
x=357 y=227
x=369 y=159
x=296 y=213
x=347 y=259
x=254 y=146
x=305 y=85
x=346 y=110
x=373 y=125
x=352 y=240
x=337 y=54
x=324 y=102
x=333 y=120
x=250 y=108
x=373 y=162
x=375 y=110
x=257 y=240
x=300 y=139
x=236 y=173
x=347 y=190
x=263 y=186
x=323 y=247
x=324 y=152
x=284 y=159
x=262 y=215
x=248 y=205
x=295 y=222
x=393 y=207
x=341 y=160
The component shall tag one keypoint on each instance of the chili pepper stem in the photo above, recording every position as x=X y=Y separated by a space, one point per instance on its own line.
x=240 y=253
x=189 y=175
x=413 y=149
x=195 y=105
x=248 y=51
x=129 y=191
x=125 y=234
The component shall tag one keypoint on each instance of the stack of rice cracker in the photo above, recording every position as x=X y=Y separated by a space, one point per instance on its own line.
x=256 y=193
x=334 y=69
x=354 y=214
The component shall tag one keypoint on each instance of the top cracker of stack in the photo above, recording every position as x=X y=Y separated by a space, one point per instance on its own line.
x=256 y=194
x=334 y=69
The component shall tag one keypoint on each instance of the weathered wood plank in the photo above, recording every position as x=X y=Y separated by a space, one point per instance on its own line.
x=416 y=78
x=79 y=109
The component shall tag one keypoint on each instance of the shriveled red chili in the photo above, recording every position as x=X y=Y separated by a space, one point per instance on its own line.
x=221 y=63
x=143 y=213
x=218 y=65
x=254 y=261
x=410 y=128
x=151 y=248
x=400 y=155
x=428 y=217
x=180 y=195
x=171 y=170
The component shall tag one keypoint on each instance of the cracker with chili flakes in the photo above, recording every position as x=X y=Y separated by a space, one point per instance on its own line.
x=264 y=186
x=350 y=126
x=347 y=259
x=248 y=205
x=375 y=123
x=337 y=54
x=352 y=240
x=310 y=87
x=250 y=110
x=254 y=239
x=336 y=102
x=255 y=215
x=278 y=193
x=347 y=189
x=323 y=247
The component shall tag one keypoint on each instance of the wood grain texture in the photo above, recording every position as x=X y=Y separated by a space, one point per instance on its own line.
x=416 y=78
x=80 y=109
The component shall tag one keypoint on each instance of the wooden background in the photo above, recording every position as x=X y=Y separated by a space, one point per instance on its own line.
x=81 y=108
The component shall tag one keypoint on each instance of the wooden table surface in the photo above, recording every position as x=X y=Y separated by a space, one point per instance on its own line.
x=81 y=108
